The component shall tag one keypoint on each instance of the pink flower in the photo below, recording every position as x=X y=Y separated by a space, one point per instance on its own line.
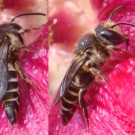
x=110 y=105
x=32 y=118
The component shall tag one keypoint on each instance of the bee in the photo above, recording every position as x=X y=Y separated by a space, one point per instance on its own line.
x=11 y=42
x=90 y=55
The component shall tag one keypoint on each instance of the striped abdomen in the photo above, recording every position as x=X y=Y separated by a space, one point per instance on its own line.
x=10 y=100
x=69 y=104
x=70 y=100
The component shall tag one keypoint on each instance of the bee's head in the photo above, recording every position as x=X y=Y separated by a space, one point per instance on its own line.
x=10 y=27
x=14 y=27
x=108 y=34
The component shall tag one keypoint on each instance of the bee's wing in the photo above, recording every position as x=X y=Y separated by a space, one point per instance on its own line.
x=72 y=70
x=3 y=68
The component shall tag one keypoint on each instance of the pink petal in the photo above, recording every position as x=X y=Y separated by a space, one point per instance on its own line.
x=110 y=106
x=33 y=110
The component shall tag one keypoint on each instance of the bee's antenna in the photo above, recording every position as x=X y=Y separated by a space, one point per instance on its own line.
x=114 y=11
x=26 y=14
x=123 y=23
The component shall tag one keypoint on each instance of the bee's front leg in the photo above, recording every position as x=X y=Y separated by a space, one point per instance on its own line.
x=83 y=105
x=111 y=48
x=29 y=49
x=20 y=47
x=22 y=31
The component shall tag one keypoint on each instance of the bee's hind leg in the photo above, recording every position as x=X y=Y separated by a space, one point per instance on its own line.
x=83 y=105
x=97 y=72
x=21 y=73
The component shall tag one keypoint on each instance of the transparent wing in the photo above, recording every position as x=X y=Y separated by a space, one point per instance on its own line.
x=72 y=70
x=3 y=69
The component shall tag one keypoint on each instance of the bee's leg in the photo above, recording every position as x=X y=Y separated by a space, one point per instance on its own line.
x=21 y=73
x=111 y=47
x=29 y=49
x=28 y=30
x=118 y=49
x=83 y=105
x=127 y=45
x=96 y=71
x=23 y=47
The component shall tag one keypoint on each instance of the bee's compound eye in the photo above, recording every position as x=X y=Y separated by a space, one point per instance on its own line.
x=112 y=36
x=15 y=26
